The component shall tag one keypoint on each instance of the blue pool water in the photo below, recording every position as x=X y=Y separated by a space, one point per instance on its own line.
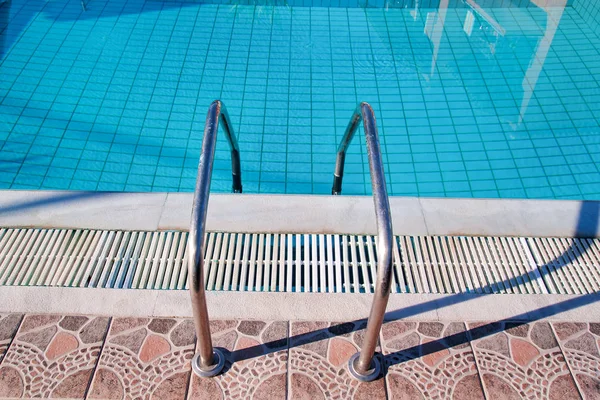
x=500 y=99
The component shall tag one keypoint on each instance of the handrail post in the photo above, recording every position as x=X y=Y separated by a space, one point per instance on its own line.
x=208 y=361
x=363 y=365
x=338 y=175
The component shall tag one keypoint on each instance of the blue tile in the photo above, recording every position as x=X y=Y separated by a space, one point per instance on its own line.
x=465 y=121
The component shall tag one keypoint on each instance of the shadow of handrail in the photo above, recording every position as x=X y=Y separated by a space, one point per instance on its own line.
x=46 y=201
x=588 y=219
x=489 y=329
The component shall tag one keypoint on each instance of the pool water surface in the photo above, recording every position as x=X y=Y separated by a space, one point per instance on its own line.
x=472 y=100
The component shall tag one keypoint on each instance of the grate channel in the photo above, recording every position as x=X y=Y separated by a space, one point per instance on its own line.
x=298 y=262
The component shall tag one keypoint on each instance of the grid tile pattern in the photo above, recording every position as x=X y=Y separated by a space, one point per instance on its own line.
x=589 y=12
x=469 y=103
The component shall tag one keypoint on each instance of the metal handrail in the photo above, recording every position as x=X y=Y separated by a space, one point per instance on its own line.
x=208 y=361
x=363 y=365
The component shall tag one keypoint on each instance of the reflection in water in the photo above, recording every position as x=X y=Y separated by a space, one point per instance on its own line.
x=126 y=85
x=415 y=11
x=554 y=11
x=487 y=17
x=436 y=32
x=468 y=25
x=434 y=29
x=488 y=23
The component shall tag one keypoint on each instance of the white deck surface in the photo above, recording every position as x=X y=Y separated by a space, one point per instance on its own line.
x=299 y=213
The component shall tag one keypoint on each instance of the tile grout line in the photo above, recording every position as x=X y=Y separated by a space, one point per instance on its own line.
x=91 y=381
x=420 y=200
x=188 y=386
x=384 y=369
x=156 y=303
x=162 y=211
x=288 y=376
x=479 y=374
x=566 y=359
x=12 y=340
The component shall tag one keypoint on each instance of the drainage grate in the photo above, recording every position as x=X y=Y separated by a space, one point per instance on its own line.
x=298 y=262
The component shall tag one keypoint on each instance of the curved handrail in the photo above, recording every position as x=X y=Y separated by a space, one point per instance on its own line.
x=363 y=365
x=204 y=363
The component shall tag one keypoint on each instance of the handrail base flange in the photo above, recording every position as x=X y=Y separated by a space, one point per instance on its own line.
x=373 y=373
x=213 y=370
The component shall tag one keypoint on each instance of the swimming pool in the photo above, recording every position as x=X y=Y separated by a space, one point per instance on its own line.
x=472 y=100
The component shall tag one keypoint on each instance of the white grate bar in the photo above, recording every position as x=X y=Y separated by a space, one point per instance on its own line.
x=298 y=262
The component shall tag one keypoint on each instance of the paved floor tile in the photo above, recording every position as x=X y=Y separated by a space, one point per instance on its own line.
x=256 y=362
x=319 y=354
x=52 y=356
x=521 y=361
x=8 y=327
x=580 y=343
x=144 y=358
x=429 y=360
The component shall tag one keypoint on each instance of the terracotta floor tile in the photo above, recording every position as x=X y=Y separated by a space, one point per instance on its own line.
x=8 y=327
x=521 y=361
x=256 y=362
x=144 y=358
x=429 y=360
x=319 y=354
x=52 y=356
x=580 y=343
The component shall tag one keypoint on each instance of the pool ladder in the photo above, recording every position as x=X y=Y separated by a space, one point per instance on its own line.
x=209 y=361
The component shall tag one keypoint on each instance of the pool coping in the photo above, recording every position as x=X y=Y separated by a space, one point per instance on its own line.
x=299 y=213
x=298 y=306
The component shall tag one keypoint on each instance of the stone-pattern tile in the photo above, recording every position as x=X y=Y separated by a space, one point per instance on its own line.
x=52 y=356
x=429 y=360
x=145 y=358
x=580 y=343
x=8 y=327
x=256 y=362
x=318 y=365
x=518 y=360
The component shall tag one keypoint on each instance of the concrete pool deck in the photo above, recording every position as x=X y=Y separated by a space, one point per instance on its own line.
x=300 y=213
x=299 y=306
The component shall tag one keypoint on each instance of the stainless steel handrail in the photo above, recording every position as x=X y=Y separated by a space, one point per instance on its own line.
x=208 y=361
x=363 y=365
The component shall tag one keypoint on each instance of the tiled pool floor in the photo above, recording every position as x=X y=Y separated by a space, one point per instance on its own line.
x=114 y=97
x=114 y=358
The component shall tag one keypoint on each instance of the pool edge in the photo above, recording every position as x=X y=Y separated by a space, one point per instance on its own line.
x=298 y=306
x=299 y=213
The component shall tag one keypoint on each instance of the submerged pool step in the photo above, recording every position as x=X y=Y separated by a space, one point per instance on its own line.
x=298 y=262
